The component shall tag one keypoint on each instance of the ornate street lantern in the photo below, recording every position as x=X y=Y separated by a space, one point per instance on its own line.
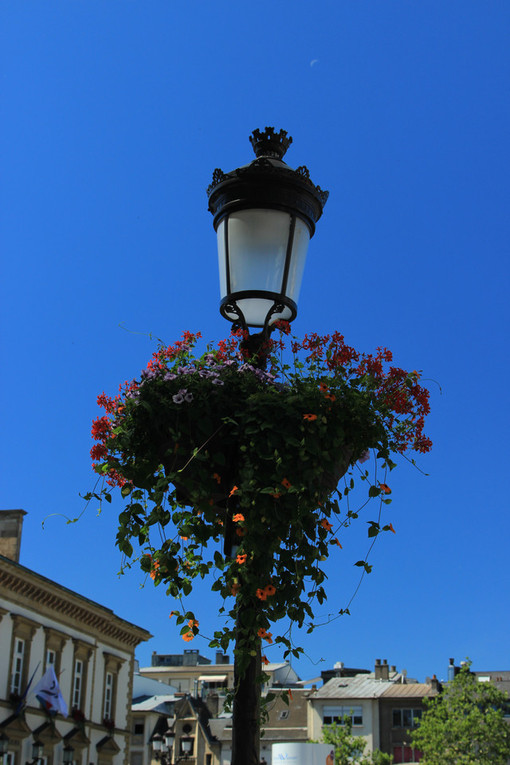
x=264 y=215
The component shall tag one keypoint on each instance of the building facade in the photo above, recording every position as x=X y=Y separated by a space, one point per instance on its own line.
x=91 y=651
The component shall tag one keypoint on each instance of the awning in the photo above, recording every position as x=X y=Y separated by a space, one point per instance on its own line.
x=212 y=678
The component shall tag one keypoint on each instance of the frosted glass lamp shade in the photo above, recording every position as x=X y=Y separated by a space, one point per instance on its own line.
x=261 y=258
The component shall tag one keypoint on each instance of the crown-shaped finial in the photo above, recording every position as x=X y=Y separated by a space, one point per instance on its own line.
x=269 y=143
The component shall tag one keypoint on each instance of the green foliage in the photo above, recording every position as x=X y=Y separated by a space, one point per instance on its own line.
x=211 y=446
x=349 y=749
x=464 y=725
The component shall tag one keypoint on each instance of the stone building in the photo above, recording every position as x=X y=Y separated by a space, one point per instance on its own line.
x=91 y=650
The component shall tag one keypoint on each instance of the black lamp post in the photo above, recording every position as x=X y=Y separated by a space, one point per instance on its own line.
x=264 y=215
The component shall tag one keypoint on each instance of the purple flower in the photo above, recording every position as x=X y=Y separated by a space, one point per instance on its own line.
x=217 y=381
x=169 y=376
x=182 y=395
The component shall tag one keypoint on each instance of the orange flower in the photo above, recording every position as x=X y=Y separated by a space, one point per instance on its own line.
x=217 y=478
x=173 y=613
x=241 y=558
x=269 y=589
x=184 y=539
x=188 y=636
x=265 y=660
x=192 y=623
x=240 y=532
x=286 y=483
x=323 y=387
x=326 y=524
x=276 y=494
x=265 y=635
x=211 y=502
x=261 y=594
x=330 y=396
x=238 y=517
x=392 y=529
x=236 y=488
x=335 y=540
x=235 y=588
x=290 y=694
x=154 y=571
x=385 y=488
x=309 y=417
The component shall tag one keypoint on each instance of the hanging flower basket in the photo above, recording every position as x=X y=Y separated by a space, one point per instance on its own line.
x=218 y=445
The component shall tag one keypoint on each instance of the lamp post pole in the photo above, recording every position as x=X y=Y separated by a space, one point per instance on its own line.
x=264 y=215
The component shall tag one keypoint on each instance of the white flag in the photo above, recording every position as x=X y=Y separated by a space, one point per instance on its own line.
x=49 y=694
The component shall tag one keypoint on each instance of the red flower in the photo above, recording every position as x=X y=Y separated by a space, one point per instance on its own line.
x=286 y=483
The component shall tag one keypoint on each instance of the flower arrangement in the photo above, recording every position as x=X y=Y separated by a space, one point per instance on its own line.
x=212 y=446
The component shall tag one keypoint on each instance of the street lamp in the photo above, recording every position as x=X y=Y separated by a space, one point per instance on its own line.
x=4 y=744
x=162 y=746
x=68 y=755
x=37 y=752
x=264 y=215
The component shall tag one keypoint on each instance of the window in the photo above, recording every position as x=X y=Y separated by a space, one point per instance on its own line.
x=18 y=662
x=54 y=645
x=405 y=753
x=23 y=630
x=337 y=714
x=108 y=696
x=406 y=718
x=138 y=727
x=112 y=666
x=77 y=684
x=82 y=654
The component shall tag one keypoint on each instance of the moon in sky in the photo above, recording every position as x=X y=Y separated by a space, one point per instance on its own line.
x=313 y=61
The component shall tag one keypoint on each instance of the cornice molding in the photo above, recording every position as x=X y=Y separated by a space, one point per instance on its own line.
x=28 y=589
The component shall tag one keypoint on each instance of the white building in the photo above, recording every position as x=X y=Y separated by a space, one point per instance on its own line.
x=91 y=650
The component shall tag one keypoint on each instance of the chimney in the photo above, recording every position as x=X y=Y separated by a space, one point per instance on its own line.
x=378 y=670
x=434 y=684
x=11 y=523
x=451 y=670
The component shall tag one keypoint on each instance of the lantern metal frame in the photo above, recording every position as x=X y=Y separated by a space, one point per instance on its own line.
x=267 y=183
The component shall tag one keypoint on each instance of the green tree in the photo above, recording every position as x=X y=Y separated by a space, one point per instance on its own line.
x=349 y=749
x=464 y=725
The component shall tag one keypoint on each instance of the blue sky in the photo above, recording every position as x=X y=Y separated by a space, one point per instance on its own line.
x=114 y=115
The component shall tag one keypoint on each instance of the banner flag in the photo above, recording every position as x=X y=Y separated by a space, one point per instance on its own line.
x=49 y=694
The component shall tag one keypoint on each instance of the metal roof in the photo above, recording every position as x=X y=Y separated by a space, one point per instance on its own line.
x=358 y=687
x=409 y=690
x=152 y=703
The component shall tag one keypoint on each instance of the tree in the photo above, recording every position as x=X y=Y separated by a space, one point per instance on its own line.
x=464 y=725
x=349 y=749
